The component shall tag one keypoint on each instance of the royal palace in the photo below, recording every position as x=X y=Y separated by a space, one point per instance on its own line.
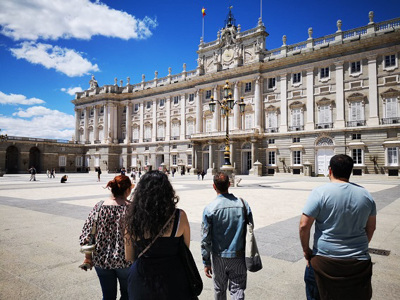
x=291 y=109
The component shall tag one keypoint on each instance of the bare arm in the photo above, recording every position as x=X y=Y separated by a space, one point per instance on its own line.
x=129 y=250
x=184 y=224
x=304 y=230
x=370 y=227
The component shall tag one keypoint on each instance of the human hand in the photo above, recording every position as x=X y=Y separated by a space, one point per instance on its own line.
x=307 y=255
x=87 y=264
x=208 y=271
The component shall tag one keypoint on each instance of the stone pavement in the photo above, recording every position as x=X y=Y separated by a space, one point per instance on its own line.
x=41 y=222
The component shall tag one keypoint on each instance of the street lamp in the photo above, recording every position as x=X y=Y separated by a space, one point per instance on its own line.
x=227 y=104
x=3 y=137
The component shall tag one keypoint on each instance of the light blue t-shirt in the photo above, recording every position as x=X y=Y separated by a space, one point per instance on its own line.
x=341 y=212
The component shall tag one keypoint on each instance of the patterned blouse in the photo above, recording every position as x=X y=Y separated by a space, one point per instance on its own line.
x=109 y=252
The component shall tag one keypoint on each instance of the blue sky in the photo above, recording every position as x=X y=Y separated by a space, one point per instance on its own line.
x=50 y=48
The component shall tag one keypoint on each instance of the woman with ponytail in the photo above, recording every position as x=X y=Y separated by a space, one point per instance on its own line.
x=108 y=257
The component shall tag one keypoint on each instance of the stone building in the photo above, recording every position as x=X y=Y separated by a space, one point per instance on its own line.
x=303 y=103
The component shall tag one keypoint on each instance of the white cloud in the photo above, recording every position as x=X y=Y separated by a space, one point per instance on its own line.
x=64 y=60
x=72 y=91
x=79 y=19
x=16 y=99
x=39 y=121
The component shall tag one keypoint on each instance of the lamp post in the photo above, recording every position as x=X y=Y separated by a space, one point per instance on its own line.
x=227 y=104
x=3 y=137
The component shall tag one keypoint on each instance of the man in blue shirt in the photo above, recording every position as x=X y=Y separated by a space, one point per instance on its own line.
x=345 y=220
x=223 y=240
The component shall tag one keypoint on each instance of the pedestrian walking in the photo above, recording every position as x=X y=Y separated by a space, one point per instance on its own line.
x=345 y=219
x=223 y=240
x=203 y=174
x=98 y=170
x=32 y=171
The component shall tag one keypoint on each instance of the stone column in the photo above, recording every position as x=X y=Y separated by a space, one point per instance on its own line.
x=258 y=104
x=210 y=159
x=110 y=122
x=85 y=128
x=183 y=117
x=284 y=103
x=128 y=124
x=217 y=114
x=340 y=109
x=231 y=153
x=199 y=112
x=141 y=128
x=77 y=124
x=154 y=131
x=105 y=124
x=95 y=124
x=236 y=110
x=373 y=92
x=253 y=155
x=115 y=123
x=168 y=118
x=310 y=100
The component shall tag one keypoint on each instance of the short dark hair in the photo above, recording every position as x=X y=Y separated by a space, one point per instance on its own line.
x=221 y=181
x=341 y=166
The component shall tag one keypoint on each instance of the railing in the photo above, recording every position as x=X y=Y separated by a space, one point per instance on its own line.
x=324 y=40
x=135 y=141
x=355 y=123
x=355 y=32
x=388 y=25
x=395 y=120
x=160 y=139
x=297 y=46
x=146 y=140
x=175 y=138
x=248 y=32
x=323 y=125
x=296 y=128
x=272 y=129
x=21 y=138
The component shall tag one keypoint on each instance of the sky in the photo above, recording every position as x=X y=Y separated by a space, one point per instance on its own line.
x=49 y=49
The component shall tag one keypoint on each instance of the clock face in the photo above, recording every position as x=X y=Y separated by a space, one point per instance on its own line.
x=227 y=55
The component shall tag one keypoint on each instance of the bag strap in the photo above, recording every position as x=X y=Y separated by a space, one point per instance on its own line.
x=157 y=236
x=96 y=216
x=246 y=217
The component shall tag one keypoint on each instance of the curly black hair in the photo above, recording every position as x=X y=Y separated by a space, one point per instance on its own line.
x=153 y=203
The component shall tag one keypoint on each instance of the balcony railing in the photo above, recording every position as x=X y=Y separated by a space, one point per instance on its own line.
x=323 y=125
x=272 y=129
x=174 y=138
x=135 y=141
x=160 y=139
x=146 y=140
x=188 y=136
x=395 y=120
x=355 y=123
x=296 y=128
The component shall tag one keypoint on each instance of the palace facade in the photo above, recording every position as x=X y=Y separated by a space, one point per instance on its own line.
x=304 y=103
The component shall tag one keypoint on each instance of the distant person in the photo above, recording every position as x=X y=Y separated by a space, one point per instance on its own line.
x=203 y=174
x=108 y=257
x=48 y=173
x=98 y=170
x=223 y=240
x=133 y=176
x=140 y=173
x=198 y=175
x=64 y=179
x=32 y=171
x=345 y=219
x=53 y=173
x=123 y=171
x=154 y=230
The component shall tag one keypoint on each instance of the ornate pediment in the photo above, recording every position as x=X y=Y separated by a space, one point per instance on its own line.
x=390 y=93
x=356 y=97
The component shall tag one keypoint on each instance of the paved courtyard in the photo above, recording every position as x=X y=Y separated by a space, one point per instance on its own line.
x=41 y=222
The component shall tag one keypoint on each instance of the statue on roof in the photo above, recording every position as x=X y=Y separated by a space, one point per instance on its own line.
x=93 y=83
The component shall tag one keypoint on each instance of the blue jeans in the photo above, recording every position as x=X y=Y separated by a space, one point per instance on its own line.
x=312 y=292
x=108 y=281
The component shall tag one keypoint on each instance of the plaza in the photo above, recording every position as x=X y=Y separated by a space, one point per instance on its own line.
x=41 y=222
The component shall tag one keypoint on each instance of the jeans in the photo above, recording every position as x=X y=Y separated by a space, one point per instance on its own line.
x=311 y=285
x=108 y=281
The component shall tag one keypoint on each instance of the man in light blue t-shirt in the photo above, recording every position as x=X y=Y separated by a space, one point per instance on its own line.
x=345 y=220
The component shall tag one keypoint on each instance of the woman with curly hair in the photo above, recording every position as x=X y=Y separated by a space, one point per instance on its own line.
x=154 y=227
x=108 y=257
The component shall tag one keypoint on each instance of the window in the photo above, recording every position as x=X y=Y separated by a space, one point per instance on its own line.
x=272 y=158
x=147 y=132
x=102 y=110
x=190 y=127
x=148 y=104
x=271 y=141
x=174 y=160
x=271 y=83
x=191 y=97
x=62 y=161
x=296 y=157
x=297 y=117
x=136 y=107
x=393 y=156
x=247 y=87
x=208 y=94
x=135 y=133
x=296 y=78
x=356 y=111
x=390 y=61
x=272 y=119
x=189 y=159
x=175 y=129
x=146 y=160
x=79 y=161
x=391 y=108
x=174 y=146
x=91 y=112
x=190 y=146
x=82 y=114
x=248 y=121
x=355 y=67
x=324 y=73
x=160 y=130
x=176 y=100
x=324 y=114
x=356 y=136
x=146 y=148
x=296 y=140
x=162 y=102
x=357 y=156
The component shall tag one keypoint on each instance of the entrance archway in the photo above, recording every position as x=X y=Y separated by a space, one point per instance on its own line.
x=34 y=158
x=12 y=160
x=324 y=154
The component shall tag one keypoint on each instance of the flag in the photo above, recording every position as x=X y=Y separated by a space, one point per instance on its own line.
x=203 y=11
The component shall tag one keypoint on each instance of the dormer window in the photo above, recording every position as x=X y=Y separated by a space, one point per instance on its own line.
x=271 y=83
x=191 y=97
x=355 y=67
x=247 y=87
x=162 y=102
x=176 y=100
x=296 y=78
x=208 y=94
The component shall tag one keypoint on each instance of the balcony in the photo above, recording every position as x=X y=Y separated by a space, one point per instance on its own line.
x=323 y=125
x=355 y=123
x=272 y=129
x=395 y=120
x=296 y=128
x=160 y=139
x=135 y=141
x=146 y=140
x=174 y=138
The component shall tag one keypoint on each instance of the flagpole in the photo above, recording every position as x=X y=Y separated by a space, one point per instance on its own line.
x=202 y=34
x=261 y=10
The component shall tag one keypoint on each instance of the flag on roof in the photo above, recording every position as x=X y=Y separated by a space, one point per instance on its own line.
x=203 y=11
